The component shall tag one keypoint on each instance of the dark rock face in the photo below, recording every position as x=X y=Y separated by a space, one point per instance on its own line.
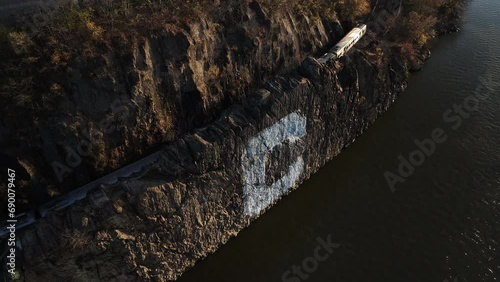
x=207 y=186
x=148 y=89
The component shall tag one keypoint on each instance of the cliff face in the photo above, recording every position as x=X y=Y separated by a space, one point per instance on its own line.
x=146 y=90
x=207 y=186
x=245 y=113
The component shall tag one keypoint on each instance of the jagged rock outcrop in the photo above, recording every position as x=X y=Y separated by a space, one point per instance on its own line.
x=247 y=117
x=210 y=184
x=145 y=90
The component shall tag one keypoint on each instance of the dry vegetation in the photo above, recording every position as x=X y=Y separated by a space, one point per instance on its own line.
x=75 y=240
x=72 y=34
x=420 y=22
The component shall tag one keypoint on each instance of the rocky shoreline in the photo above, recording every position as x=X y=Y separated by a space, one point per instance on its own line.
x=200 y=193
x=209 y=184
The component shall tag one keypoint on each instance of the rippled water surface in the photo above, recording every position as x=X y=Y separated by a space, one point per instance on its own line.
x=442 y=222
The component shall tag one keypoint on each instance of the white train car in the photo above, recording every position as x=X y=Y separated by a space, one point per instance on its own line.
x=344 y=45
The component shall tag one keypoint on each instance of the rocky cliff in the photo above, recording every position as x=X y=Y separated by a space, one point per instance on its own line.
x=247 y=114
x=127 y=95
x=208 y=185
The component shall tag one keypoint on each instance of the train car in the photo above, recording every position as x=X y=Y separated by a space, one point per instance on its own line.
x=23 y=219
x=344 y=45
x=29 y=217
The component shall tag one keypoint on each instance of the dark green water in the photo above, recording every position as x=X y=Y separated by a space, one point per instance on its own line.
x=442 y=222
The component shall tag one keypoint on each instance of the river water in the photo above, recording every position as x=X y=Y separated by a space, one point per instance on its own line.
x=442 y=223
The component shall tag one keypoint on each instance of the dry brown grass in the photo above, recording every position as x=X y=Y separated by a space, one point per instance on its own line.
x=75 y=239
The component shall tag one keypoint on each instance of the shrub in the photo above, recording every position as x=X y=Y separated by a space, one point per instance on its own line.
x=75 y=240
x=408 y=49
x=353 y=10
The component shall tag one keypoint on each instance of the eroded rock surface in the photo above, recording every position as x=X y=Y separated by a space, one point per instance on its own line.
x=196 y=196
